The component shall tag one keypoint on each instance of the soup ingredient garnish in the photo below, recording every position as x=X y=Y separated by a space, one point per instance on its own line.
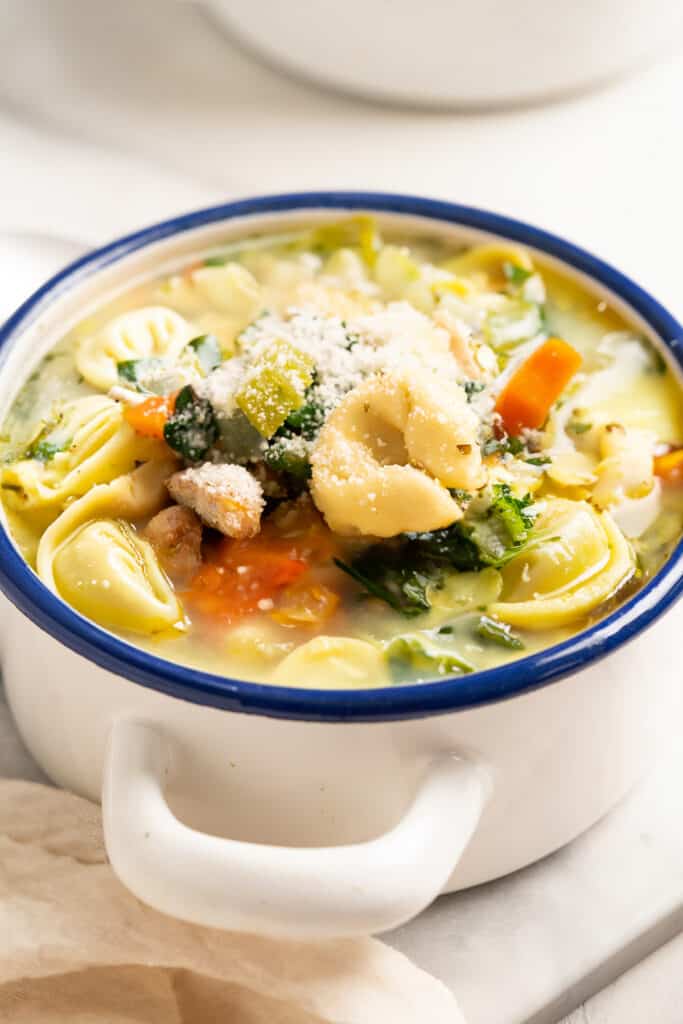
x=275 y=386
x=226 y=497
x=175 y=533
x=239 y=578
x=134 y=371
x=402 y=573
x=148 y=418
x=191 y=429
x=208 y=352
x=535 y=386
x=421 y=657
x=44 y=450
x=305 y=603
x=498 y=633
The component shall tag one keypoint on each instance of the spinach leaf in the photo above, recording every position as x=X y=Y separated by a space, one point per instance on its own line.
x=401 y=572
x=287 y=459
x=504 y=529
x=208 y=352
x=191 y=429
x=439 y=550
x=306 y=420
x=291 y=459
x=381 y=574
x=134 y=371
x=498 y=633
x=417 y=654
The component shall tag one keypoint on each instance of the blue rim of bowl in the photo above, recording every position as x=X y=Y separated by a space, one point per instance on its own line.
x=25 y=590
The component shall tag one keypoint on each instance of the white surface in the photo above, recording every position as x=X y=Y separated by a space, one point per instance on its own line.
x=649 y=992
x=111 y=116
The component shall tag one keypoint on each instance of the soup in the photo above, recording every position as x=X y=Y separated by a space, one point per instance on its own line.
x=335 y=458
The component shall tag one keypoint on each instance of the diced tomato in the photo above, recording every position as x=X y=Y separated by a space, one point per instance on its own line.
x=239 y=576
x=305 y=604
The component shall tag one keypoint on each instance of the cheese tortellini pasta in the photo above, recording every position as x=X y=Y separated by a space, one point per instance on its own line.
x=87 y=443
x=149 y=333
x=101 y=566
x=345 y=456
x=579 y=561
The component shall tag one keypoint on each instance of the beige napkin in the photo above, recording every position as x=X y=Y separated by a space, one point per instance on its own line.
x=77 y=947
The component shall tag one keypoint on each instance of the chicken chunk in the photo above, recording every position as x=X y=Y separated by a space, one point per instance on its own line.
x=226 y=497
x=175 y=533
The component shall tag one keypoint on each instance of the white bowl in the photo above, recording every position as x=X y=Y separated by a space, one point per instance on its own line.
x=456 y=52
x=313 y=813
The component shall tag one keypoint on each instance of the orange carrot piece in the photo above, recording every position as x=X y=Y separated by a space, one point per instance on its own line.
x=669 y=467
x=148 y=418
x=528 y=396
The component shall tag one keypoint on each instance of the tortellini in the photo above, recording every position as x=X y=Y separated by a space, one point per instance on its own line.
x=93 y=559
x=88 y=443
x=152 y=332
x=578 y=561
x=232 y=292
x=627 y=466
x=389 y=452
x=489 y=261
x=333 y=662
x=105 y=571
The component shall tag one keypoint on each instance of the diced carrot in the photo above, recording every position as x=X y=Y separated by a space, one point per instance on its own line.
x=148 y=418
x=528 y=396
x=669 y=467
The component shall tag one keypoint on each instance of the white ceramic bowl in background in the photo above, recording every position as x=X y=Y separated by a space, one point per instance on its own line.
x=314 y=812
x=456 y=52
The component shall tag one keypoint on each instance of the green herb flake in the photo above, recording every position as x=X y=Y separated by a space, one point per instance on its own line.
x=498 y=633
x=472 y=388
x=515 y=274
x=462 y=497
x=503 y=446
x=45 y=450
x=539 y=460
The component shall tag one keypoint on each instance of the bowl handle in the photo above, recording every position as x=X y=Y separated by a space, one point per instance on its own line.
x=291 y=892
